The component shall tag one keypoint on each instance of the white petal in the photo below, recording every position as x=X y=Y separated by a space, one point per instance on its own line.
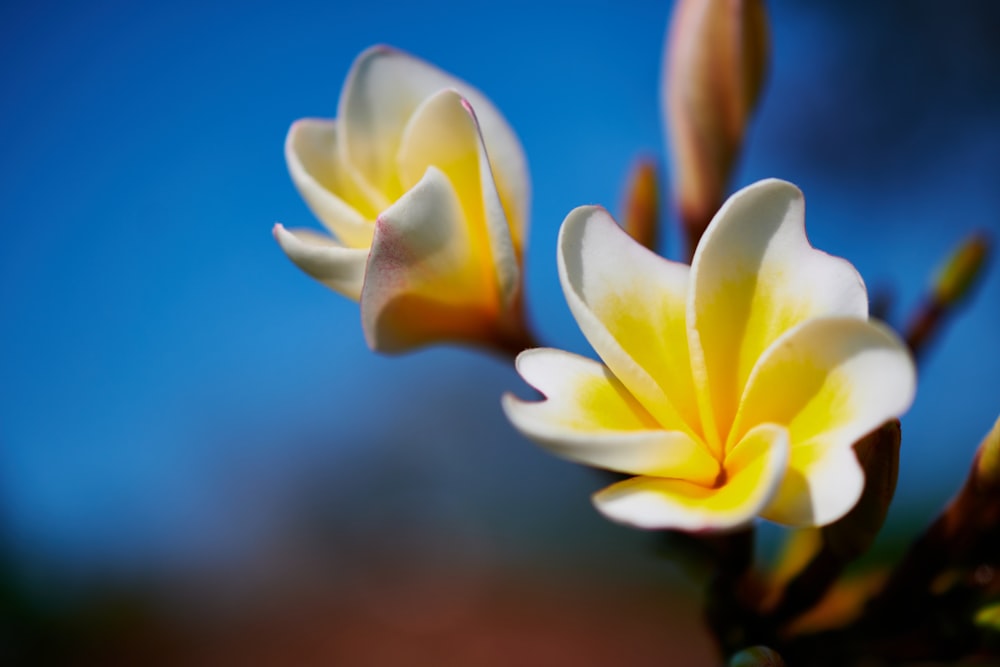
x=505 y=226
x=630 y=304
x=590 y=417
x=339 y=268
x=821 y=485
x=754 y=469
x=755 y=276
x=423 y=282
x=443 y=132
x=382 y=91
x=311 y=155
x=833 y=378
x=830 y=381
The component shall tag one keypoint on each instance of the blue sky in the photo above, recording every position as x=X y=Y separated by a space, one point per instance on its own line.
x=169 y=379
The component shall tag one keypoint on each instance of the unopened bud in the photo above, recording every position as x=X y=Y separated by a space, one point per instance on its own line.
x=641 y=215
x=987 y=466
x=960 y=271
x=953 y=282
x=989 y=617
x=715 y=62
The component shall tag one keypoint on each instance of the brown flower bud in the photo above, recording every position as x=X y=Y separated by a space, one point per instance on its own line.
x=715 y=63
x=959 y=272
x=986 y=471
x=952 y=284
x=641 y=210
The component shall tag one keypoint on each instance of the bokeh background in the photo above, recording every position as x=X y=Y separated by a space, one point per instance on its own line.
x=200 y=460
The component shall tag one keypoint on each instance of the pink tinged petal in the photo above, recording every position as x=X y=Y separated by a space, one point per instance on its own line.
x=753 y=471
x=424 y=284
x=630 y=304
x=502 y=228
x=754 y=277
x=830 y=381
x=443 y=132
x=310 y=152
x=588 y=416
x=339 y=268
x=383 y=89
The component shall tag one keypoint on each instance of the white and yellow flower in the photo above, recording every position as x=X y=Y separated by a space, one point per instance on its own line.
x=732 y=388
x=426 y=199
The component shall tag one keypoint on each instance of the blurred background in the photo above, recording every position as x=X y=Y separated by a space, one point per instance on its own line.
x=200 y=460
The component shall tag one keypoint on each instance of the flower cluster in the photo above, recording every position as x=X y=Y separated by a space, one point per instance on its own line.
x=729 y=389
x=747 y=383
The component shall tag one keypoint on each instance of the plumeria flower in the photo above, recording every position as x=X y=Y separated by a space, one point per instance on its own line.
x=730 y=389
x=424 y=188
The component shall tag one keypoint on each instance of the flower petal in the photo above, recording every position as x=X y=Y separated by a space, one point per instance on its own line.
x=310 y=151
x=630 y=304
x=423 y=282
x=830 y=381
x=755 y=276
x=822 y=484
x=590 y=417
x=443 y=132
x=832 y=378
x=753 y=470
x=504 y=226
x=339 y=268
x=383 y=89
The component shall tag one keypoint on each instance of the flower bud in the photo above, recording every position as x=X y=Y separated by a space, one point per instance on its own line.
x=959 y=273
x=989 y=617
x=986 y=471
x=715 y=61
x=641 y=210
x=953 y=283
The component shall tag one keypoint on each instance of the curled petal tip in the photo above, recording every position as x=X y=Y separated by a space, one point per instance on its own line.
x=468 y=107
x=378 y=50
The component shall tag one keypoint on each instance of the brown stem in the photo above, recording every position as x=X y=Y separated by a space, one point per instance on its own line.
x=728 y=613
x=924 y=325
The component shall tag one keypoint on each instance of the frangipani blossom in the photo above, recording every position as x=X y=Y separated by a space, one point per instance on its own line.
x=732 y=388
x=427 y=202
